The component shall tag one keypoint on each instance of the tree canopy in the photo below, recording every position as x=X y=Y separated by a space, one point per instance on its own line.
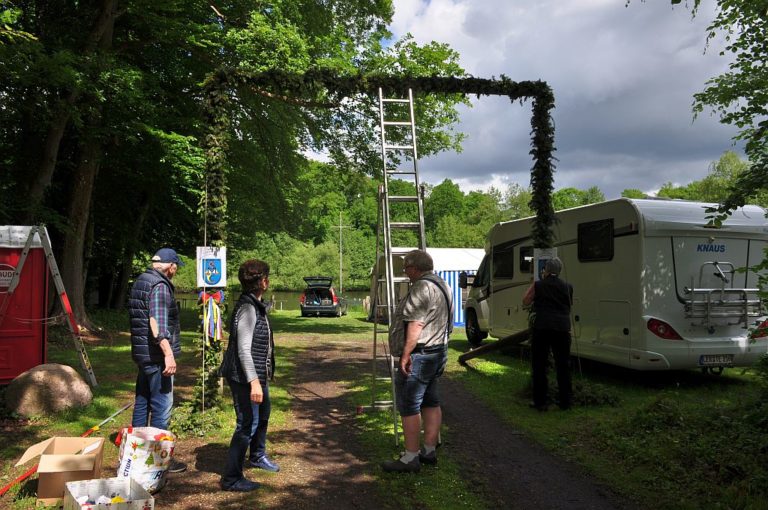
x=102 y=121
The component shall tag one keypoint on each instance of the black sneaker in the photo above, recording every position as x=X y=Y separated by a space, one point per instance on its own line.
x=265 y=463
x=398 y=466
x=242 y=485
x=427 y=458
x=176 y=467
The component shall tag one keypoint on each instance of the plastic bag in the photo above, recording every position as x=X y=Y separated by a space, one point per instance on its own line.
x=145 y=454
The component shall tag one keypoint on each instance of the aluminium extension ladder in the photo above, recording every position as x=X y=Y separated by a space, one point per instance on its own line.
x=398 y=143
x=62 y=293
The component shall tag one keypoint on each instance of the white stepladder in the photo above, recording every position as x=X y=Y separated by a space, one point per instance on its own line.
x=45 y=242
x=398 y=140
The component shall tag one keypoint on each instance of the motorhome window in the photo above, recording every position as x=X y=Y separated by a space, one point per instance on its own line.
x=595 y=241
x=503 y=261
x=526 y=259
x=481 y=278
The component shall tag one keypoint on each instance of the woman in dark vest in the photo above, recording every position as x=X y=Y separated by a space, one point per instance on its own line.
x=551 y=298
x=247 y=366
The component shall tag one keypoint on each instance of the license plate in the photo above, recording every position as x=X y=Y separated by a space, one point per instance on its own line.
x=716 y=360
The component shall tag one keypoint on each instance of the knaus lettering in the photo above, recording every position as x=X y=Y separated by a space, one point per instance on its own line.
x=710 y=248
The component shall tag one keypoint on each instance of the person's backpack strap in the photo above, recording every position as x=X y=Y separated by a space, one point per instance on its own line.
x=437 y=281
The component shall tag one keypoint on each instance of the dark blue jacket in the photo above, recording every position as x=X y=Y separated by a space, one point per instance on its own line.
x=144 y=348
x=262 y=344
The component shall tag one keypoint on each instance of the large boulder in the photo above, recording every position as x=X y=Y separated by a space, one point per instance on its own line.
x=47 y=389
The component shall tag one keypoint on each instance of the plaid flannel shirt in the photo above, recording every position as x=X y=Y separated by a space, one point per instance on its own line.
x=159 y=301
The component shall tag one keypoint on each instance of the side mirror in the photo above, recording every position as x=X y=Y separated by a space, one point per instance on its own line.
x=463 y=280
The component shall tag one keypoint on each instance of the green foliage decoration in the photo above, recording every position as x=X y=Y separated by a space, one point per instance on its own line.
x=327 y=84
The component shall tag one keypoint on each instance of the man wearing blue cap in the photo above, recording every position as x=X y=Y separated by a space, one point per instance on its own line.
x=155 y=342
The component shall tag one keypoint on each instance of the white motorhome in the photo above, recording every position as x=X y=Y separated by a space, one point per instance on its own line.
x=654 y=287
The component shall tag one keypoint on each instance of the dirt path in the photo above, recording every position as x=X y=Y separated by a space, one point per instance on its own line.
x=513 y=471
x=322 y=466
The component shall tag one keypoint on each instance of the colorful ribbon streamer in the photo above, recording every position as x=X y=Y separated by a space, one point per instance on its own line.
x=212 y=322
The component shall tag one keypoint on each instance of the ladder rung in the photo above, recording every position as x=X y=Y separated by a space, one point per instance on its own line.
x=403 y=198
x=395 y=100
x=399 y=147
x=395 y=279
x=401 y=172
x=396 y=123
x=405 y=224
x=400 y=250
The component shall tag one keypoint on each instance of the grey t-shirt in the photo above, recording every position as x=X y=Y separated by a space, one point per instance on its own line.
x=424 y=303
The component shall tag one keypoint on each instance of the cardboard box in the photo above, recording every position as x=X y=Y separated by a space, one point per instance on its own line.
x=135 y=496
x=62 y=460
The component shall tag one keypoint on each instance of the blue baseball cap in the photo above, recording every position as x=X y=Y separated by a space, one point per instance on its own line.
x=167 y=255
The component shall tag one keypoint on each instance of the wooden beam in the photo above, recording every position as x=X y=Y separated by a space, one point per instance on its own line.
x=509 y=341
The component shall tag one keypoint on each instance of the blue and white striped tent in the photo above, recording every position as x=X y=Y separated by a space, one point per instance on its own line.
x=448 y=263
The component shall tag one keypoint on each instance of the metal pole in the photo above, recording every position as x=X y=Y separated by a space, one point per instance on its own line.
x=341 y=264
x=341 y=257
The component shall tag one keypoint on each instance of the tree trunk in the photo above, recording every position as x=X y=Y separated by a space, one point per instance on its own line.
x=100 y=37
x=121 y=290
x=73 y=259
x=48 y=157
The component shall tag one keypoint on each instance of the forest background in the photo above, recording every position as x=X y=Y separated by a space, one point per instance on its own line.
x=102 y=134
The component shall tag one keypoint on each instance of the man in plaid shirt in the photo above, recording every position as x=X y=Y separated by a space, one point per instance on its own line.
x=155 y=342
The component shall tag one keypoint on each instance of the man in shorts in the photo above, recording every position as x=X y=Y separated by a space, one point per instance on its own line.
x=418 y=339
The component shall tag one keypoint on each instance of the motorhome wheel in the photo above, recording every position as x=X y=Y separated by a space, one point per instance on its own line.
x=475 y=335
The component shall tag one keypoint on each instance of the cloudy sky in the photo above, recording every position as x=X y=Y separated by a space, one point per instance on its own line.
x=623 y=78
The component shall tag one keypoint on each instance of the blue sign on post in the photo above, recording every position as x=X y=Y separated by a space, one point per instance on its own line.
x=211 y=266
x=211 y=271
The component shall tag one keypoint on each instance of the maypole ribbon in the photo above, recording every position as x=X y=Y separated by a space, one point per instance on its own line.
x=212 y=322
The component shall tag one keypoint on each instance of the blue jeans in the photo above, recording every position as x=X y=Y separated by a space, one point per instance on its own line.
x=154 y=397
x=250 y=430
x=420 y=388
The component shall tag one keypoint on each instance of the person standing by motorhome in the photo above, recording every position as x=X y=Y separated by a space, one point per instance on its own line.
x=248 y=366
x=155 y=343
x=418 y=338
x=551 y=298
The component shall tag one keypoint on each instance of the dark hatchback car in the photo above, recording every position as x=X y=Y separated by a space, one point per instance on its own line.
x=319 y=298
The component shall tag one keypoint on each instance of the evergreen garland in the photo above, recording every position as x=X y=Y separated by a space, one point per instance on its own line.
x=318 y=81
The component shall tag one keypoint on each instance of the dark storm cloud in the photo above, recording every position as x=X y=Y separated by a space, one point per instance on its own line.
x=623 y=79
